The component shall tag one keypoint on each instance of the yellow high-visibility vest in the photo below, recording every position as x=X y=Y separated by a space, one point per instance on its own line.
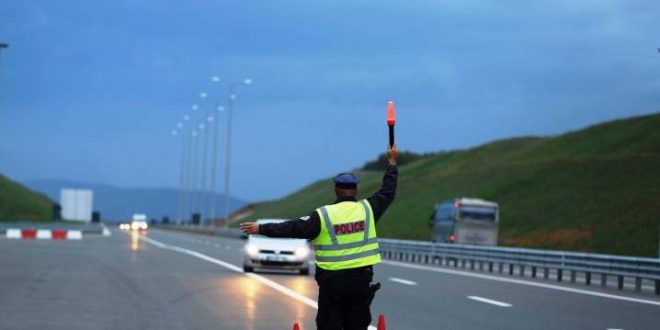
x=348 y=236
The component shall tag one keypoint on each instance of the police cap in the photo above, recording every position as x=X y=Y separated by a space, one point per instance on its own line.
x=346 y=181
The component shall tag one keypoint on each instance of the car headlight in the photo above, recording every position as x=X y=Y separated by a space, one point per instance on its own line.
x=301 y=252
x=252 y=249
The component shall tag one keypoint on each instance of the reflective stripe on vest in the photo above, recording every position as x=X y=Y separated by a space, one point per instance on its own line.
x=348 y=257
x=346 y=245
x=348 y=249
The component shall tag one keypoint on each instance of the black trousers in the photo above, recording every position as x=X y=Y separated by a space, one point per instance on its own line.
x=344 y=299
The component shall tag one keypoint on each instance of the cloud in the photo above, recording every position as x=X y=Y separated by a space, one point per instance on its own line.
x=462 y=73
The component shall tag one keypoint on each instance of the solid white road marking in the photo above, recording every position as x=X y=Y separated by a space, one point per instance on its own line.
x=295 y=295
x=402 y=281
x=614 y=329
x=490 y=301
x=521 y=282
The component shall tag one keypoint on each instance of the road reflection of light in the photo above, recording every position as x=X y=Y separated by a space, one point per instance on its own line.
x=135 y=240
x=250 y=288
x=301 y=284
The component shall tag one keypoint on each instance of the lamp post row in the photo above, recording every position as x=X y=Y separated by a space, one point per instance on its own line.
x=3 y=45
x=200 y=130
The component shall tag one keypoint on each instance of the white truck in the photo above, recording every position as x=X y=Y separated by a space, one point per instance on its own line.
x=77 y=204
x=465 y=221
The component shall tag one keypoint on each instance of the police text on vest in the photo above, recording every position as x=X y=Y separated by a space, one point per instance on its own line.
x=349 y=228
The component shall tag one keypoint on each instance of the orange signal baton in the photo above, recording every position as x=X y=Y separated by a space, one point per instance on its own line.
x=391 y=120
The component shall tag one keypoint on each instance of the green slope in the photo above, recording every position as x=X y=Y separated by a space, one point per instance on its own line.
x=596 y=189
x=18 y=203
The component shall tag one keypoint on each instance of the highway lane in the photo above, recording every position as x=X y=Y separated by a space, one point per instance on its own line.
x=126 y=282
x=121 y=282
x=440 y=300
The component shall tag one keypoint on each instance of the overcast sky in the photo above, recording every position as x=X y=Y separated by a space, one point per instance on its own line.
x=91 y=90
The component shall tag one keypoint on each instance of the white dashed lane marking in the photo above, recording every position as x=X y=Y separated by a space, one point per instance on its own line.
x=489 y=301
x=402 y=281
x=520 y=282
x=266 y=281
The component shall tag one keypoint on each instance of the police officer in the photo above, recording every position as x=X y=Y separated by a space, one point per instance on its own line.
x=345 y=246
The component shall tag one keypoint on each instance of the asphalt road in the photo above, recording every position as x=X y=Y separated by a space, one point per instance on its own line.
x=168 y=280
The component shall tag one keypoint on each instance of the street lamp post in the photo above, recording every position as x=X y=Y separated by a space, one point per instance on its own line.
x=210 y=136
x=177 y=132
x=230 y=106
x=214 y=170
x=215 y=120
x=185 y=186
x=3 y=46
x=193 y=171
x=194 y=160
x=203 y=179
x=202 y=173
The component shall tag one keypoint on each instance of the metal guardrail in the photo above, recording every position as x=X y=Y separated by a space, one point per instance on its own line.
x=527 y=262
x=535 y=263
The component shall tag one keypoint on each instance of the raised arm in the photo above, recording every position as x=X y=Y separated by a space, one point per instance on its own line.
x=384 y=197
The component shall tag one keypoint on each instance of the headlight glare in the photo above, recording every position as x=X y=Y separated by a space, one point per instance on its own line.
x=302 y=252
x=252 y=249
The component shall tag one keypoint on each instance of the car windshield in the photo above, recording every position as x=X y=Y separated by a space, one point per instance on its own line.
x=445 y=211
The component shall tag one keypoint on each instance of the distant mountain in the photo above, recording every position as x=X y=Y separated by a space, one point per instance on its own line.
x=117 y=204
x=18 y=203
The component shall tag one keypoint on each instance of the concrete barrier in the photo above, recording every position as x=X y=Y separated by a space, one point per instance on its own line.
x=74 y=234
x=14 y=233
x=44 y=234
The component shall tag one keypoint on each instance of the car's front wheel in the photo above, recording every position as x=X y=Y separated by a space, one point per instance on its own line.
x=248 y=269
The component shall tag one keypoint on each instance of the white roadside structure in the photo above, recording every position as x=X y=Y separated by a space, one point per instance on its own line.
x=77 y=204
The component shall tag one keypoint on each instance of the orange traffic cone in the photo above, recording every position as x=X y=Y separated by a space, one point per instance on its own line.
x=296 y=326
x=381 y=322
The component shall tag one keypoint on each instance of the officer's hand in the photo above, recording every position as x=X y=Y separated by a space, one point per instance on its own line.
x=391 y=154
x=250 y=228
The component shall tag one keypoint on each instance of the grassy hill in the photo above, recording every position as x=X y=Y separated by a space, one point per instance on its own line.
x=596 y=189
x=18 y=203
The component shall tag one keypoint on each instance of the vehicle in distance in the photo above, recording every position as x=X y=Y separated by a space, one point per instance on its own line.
x=465 y=221
x=276 y=253
x=139 y=222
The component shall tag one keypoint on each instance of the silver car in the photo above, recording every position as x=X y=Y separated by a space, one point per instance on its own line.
x=276 y=253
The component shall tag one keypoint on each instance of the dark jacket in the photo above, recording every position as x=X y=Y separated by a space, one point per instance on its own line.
x=309 y=227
